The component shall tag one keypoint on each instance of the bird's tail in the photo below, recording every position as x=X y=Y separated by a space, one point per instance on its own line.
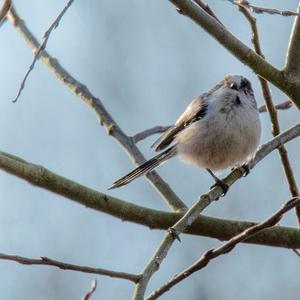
x=146 y=167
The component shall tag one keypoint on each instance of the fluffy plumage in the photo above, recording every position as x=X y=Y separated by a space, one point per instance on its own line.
x=219 y=129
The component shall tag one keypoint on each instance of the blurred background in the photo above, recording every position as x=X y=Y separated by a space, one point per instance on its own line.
x=146 y=63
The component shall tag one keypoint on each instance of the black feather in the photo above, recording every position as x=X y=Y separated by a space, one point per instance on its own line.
x=167 y=138
x=144 y=168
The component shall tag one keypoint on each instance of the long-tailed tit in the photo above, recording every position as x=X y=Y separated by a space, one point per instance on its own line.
x=219 y=129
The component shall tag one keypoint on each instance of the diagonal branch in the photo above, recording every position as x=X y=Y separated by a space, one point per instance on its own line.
x=289 y=174
x=246 y=55
x=92 y=290
x=42 y=47
x=173 y=232
x=292 y=63
x=209 y=255
x=154 y=219
x=4 y=10
x=45 y=261
x=102 y=114
x=261 y=10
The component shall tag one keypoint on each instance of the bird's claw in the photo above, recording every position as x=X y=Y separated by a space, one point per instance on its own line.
x=245 y=169
x=224 y=186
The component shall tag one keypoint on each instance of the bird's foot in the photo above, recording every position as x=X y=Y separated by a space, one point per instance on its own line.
x=224 y=186
x=245 y=169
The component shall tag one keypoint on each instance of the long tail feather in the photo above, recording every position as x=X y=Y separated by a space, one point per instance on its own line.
x=144 y=168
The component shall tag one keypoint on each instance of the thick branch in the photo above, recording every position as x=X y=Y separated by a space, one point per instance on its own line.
x=65 y=266
x=259 y=65
x=4 y=10
x=173 y=233
x=102 y=114
x=42 y=177
x=154 y=219
x=209 y=255
x=288 y=170
x=292 y=64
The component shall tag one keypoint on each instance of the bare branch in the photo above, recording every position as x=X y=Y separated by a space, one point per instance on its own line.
x=281 y=106
x=42 y=47
x=209 y=255
x=296 y=252
x=173 y=233
x=292 y=63
x=154 y=219
x=289 y=174
x=261 y=10
x=65 y=266
x=148 y=132
x=91 y=291
x=105 y=119
x=206 y=7
x=4 y=10
x=258 y=64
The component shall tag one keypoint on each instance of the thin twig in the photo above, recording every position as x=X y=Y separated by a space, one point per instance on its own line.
x=281 y=106
x=148 y=132
x=65 y=266
x=91 y=291
x=206 y=226
x=292 y=61
x=209 y=255
x=289 y=174
x=46 y=36
x=105 y=119
x=261 y=10
x=4 y=10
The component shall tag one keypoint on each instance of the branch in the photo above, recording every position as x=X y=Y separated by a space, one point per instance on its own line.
x=91 y=291
x=173 y=233
x=155 y=219
x=65 y=266
x=42 y=47
x=289 y=174
x=105 y=119
x=281 y=106
x=206 y=7
x=246 y=55
x=148 y=132
x=209 y=255
x=292 y=63
x=296 y=252
x=4 y=10
x=261 y=10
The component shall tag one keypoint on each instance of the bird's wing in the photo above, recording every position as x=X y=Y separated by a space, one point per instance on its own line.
x=195 y=111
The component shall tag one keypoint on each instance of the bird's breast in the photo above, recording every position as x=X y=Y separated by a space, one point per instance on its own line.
x=220 y=141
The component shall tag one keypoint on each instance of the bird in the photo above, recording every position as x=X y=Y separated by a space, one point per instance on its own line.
x=219 y=129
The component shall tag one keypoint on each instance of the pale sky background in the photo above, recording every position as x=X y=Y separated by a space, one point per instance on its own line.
x=146 y=63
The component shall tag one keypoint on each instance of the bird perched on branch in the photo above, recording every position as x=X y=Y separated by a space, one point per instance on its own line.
x=218 y=130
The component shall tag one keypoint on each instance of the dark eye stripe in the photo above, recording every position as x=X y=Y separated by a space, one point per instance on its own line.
x=233 y=86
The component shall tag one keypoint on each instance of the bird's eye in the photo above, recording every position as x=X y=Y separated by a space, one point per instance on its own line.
x=233 y=86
